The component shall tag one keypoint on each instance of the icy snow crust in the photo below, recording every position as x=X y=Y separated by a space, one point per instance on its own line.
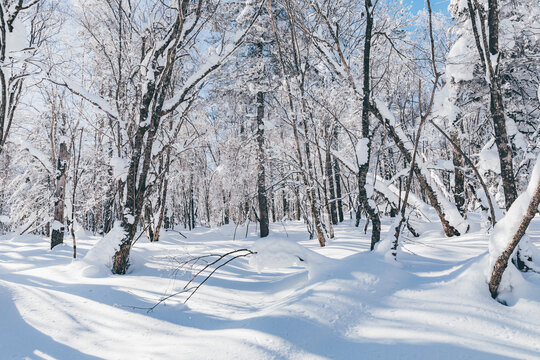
x=292 y=300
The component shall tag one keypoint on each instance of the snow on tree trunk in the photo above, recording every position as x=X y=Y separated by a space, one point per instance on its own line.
x=452 y=222
x=367 y=203
x=491 y=58
x=509 y=232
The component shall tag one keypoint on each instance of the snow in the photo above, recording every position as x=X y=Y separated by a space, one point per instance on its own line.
x=120 y=167
x=98 y=101
x=362 y=151
x=505 y=230
x=283 y=253
x=98 y=260
x=451 y=212
x=489 y=158
x=341 y=301
x=16 y=39
x=443 y=105
x=4 y=219
x=37 y=154
x=459 y=67
x=57 y=225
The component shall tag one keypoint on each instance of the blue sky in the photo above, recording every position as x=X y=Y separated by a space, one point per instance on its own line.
x=440 y=5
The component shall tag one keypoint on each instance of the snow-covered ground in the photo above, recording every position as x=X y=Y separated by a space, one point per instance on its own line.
x=340 y=302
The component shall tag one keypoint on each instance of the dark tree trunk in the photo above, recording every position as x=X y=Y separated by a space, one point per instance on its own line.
x=448 y=228
x=337 y=176
x=459 y=177
x=273 y=206
x=487 y=52
x=226 y=218
x=285 y=205
x=108 y=204
x=57 y=236
x=261 y=175
x=331 y=190
x=502 y=260
x=191 y=205
x=496 y=107
x=162 y=200
x=297 y=212
x=148 y=222
x=363 y=169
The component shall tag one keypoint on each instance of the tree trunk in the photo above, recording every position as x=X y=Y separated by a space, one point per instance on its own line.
x=226 y=216
x=331 y=190
x=364 y=167
x=191 y=205
x=502 y=260
x=487 y=52
x=430 y=192
x=337 y=175
x=163 y=196
x=261 y=175
x=57 y=236
x=459 y=177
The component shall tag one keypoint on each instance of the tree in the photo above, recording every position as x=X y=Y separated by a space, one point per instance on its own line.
x=513 y=226
x=14 y=68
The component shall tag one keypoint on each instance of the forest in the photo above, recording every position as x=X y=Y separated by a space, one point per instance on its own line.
x=305 y=167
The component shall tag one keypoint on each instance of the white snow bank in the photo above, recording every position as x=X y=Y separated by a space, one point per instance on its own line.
x=98 y=260
x=272 y=253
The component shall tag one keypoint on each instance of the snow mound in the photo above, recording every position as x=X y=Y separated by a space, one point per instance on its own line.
x=98 y=261
x=272 y=253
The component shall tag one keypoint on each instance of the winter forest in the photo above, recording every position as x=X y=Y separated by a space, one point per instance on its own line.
x=269 y=179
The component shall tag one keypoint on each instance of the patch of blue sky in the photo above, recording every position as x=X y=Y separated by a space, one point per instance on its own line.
x=436 y=5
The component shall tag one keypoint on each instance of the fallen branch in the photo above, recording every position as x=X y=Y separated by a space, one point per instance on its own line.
x=219 y=261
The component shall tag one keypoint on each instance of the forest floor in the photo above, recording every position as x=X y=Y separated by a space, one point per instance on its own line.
x=340 y=302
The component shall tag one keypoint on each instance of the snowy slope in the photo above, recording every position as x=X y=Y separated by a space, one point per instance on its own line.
x=340 y=302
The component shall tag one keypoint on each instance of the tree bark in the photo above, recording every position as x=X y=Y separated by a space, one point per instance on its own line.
x=431 y=194
x=459 y=177
x=475 y=170
x=331 y=190
x=502 y=261
x=337 y=175
x=163 y=196
x=57 y=236
x=363 y=168
x=261 y=173
x=487 y=52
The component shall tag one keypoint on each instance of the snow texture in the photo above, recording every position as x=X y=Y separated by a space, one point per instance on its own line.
x=16 y=39
x=458 y=65
x=120 y=167
x=98 y=260
x=339 y=302
x=37 y=154
x=362 y=151
x=489 y=158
